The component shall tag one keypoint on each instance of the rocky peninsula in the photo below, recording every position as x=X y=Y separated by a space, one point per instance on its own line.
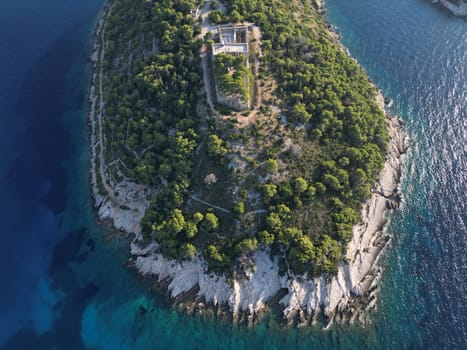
x=345 y=294
x=342 y=297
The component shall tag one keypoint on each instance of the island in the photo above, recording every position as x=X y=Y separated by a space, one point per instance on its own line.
x=246 y=154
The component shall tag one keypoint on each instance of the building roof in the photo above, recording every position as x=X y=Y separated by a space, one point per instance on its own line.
x=230 y=48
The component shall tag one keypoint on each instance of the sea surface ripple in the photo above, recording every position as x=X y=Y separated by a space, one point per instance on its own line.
x=66 y=285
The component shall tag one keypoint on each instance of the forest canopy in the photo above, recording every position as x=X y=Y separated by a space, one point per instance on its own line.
x=293 y=181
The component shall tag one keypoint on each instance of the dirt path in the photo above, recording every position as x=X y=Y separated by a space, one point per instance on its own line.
x=207 y=84
x=98 y=117
x=206 y=28
x=210 y=204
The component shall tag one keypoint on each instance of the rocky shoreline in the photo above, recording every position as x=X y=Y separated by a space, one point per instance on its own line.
x=459 y=9
x=123 y=202
x=339 y=298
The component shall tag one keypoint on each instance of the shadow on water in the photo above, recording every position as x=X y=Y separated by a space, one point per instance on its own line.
x=44 y=98
x=64 y=333
x=37 y=181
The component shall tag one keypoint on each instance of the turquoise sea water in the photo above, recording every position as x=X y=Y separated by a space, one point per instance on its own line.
x=66 y=286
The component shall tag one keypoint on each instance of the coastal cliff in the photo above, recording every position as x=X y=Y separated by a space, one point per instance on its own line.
x=339 y=297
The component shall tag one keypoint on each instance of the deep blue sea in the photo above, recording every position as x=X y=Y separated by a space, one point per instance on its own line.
x=65 y=285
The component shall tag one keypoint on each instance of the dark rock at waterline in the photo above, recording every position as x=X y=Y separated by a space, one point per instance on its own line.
x=391 y=204
x=91 y=244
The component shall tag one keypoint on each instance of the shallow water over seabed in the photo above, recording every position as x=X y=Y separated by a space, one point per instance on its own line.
x=66 y=286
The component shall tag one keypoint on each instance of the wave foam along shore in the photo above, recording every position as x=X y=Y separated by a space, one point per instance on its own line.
x=357 y=273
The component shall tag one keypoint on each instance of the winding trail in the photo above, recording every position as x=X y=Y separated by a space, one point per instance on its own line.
x=210 y=204
x=207 y=84
x=256 y=212
x=100 y=141
x=206 y=28
x=123 y=202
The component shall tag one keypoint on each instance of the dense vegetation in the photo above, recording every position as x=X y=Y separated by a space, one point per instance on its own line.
x=301 y=198
x=152 y=77
x=151 y=89
x=326 y=94
x=232 y=75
